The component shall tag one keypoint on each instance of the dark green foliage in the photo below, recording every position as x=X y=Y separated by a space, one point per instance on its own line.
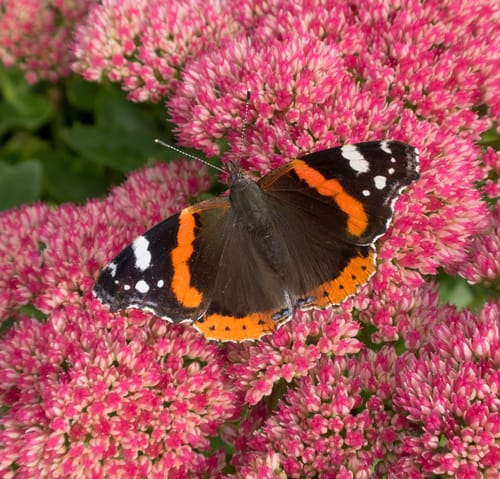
x=70 y=141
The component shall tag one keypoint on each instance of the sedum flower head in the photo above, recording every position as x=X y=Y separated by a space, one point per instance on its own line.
x=448 y=401
x=34 y=35
x=144 y=44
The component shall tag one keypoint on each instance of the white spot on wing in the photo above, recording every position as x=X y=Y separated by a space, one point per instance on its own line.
x=356 y=159
x=126 y=287
x=366 y=193
x=160 y=283
x=391 y=171
x=112 y=269
x=380 y=182
x=142 y=286
x=141 y=252
x=384 y=146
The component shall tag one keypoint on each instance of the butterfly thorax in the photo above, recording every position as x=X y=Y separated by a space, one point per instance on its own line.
x=252 y=214
x=248 y=202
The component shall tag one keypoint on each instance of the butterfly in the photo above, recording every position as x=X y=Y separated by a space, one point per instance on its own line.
x=301 y=237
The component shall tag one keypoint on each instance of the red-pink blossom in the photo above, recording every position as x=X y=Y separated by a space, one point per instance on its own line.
x=303 y=97
x=144 y=44
x=448 y=399
x=87 y=393
x=484 y=266
x=91 y=395
x=267 y=466
x=20 y=257
x=34 y=35
x=291 y=351
x=332 y=422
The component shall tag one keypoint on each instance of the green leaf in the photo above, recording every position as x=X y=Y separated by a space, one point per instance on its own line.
x=20 y=106
x=104 y=148
x=22 y=146
x=70 y=178
x=122 y=136
x=82 y=94
x=458 y=292
x=20 y=183
x=491 y=137
x=116 y=113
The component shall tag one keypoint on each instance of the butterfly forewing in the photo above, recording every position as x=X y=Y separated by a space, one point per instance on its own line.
x=350 y=189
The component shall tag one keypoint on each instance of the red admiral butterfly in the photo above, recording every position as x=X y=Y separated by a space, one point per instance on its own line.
x=301 y=237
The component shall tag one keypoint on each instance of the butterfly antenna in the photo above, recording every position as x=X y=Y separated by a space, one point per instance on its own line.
x=166 y=145
x=244 y=128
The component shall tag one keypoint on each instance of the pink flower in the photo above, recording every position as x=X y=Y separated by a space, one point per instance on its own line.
x=34 y=35
x=440 y=57
x=484 y=264
x=122 y=396
x=405 y=54
x=267 y=466
x=20 y=257
x=491 y=161
x=144 y=44
x=331 y=423
x=375 y=414
x=291 y=351
x=447 y=399
x=302 y=98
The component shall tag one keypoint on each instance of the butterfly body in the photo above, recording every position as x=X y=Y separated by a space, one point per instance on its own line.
x=302 y=236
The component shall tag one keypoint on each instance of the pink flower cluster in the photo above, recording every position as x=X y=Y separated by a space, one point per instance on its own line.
x=389 y=384
x=447 y=400
x=87 y=395
x=485 y=249
x=34 y=35
x=377 y=414
x=145 y=44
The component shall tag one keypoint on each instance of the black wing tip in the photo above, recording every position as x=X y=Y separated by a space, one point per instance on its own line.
x=104 y=290
x=412 y=155
x=413 y=159
x=104 y=296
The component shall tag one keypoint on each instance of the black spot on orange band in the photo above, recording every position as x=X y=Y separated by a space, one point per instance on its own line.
x=229 y=328
x=356 y=273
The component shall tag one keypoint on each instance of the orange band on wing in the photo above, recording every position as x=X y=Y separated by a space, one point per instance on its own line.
x=355 y=274
x=357 y=220
x=229 y=328
x=185 y=294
